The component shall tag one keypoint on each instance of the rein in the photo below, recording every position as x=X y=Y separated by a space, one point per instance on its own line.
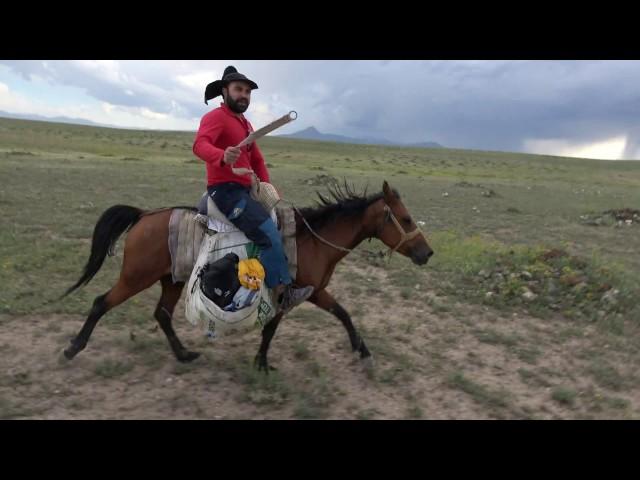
x=404 y=236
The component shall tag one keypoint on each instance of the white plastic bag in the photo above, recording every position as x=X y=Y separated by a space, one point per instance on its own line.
x=202 y=311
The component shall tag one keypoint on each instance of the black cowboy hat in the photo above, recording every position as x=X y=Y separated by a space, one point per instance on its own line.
x=230 y=74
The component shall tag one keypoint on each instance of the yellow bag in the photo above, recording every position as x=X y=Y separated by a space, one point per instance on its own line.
x=250 y=273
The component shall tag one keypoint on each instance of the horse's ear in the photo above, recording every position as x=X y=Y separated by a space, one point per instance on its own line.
x=388 y=193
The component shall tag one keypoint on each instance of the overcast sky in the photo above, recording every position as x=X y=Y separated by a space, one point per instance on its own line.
x=575 y=108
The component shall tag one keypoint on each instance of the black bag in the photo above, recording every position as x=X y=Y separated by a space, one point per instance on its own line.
x=219 y=280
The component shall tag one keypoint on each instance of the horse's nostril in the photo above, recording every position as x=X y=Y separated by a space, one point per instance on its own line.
x=422 y=257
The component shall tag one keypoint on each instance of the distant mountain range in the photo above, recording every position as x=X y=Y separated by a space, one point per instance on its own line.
x=312 y=133
x=74 y=121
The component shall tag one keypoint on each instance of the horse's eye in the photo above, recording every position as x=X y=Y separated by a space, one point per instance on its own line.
x=407 y=220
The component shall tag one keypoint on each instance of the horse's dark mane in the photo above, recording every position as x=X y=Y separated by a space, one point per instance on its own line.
x=341 y=202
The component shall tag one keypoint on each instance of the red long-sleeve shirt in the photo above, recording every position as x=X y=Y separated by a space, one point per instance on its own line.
x=219 y=129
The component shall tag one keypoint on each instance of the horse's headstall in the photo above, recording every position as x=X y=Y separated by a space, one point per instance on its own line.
x=404 y=236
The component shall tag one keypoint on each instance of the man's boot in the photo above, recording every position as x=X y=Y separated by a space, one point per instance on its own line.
x=292 y=297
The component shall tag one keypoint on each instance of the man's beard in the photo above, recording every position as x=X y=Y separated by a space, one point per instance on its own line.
x=235 y=106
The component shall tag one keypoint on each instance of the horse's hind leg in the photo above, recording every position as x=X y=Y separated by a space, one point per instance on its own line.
x=101 y=305
x=326 y=302
x=163 y=314
x=98 y=309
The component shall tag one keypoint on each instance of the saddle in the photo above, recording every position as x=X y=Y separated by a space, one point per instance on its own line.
x=217 y=220
x=187 y=230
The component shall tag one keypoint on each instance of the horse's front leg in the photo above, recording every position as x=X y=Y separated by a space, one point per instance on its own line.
x=326 y=302
x=261 y=362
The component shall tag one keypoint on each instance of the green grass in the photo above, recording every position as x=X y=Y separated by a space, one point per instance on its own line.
x=490 y=398
x=496 y=274
x=112 y=368
x=23 y=378
x=301 y=351
x=58 y=179
x=94 y=168
x=259 y=389
x=564 y=395
x=367 y=414
x=530 y=377
x=493 y=337
x=606 y=375
x=10 y=409
x=184 y=368
x=528 y=354
x=414 y=412
x=617 y=403
x=314 y=396
x=308 y=411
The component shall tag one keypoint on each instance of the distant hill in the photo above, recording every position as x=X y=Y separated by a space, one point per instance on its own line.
x=312 y=133
x=72 y=121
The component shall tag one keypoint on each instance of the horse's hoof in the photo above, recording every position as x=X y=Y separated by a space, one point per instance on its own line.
x=188 y=357
x=368 y=363
x=261 y=364
x=71 y=351
x=263 y=368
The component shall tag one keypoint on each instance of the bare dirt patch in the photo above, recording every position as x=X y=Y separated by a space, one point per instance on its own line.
x=434 y=359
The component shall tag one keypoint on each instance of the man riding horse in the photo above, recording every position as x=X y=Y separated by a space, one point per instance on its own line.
x=346 y=218
x=220 y=130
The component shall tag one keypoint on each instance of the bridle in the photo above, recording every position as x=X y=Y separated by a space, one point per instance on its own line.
x=404 y=236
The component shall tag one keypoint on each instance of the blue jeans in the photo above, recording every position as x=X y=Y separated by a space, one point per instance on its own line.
x=249 y=216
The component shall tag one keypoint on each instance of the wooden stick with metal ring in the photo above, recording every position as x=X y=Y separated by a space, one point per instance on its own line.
x=253 y=136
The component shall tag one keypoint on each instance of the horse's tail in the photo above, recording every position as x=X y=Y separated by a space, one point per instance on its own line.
x=113 y=223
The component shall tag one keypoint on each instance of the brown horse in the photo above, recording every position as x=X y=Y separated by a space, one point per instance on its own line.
x=325 y=234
